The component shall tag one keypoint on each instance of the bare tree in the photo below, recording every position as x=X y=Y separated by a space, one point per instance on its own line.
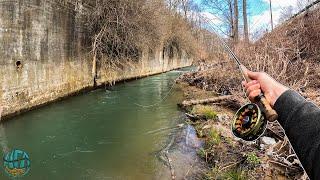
x=271 y=15
x=286 y=13
x=194 y=17
x=245 y=21
x=185 y=7
x=236 y=21
x=222 y=9
x=173 y=4
x=231 y=18
x=123 y=31
x=303 y=3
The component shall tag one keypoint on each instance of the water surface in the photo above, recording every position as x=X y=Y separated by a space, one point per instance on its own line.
x=103 y=134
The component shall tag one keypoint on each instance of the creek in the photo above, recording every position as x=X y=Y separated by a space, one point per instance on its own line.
x=110 y=133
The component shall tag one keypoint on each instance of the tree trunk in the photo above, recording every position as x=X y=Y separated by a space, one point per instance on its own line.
x=185 y=8
x=271 y=15
x=231 y=19
x=236 y=21
x=245 y=21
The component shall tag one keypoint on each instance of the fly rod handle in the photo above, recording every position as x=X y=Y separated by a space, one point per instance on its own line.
x=271 y=114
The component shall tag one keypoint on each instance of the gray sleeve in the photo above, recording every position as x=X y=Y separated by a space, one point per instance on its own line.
x=301 y=122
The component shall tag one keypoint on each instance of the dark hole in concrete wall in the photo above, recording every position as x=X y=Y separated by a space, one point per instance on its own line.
x=18 y=64
x=163 y=52
x=171 y=52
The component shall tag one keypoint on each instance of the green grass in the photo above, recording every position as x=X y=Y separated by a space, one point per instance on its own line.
x=213 y=174
x=199 y=130
x=214 y=137
x=252 y=158
x=229 y=141
x=207 y=111
x=202 y=152
x=234 y=174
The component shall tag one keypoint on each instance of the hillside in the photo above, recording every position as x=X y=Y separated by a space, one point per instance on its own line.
x=290 y=54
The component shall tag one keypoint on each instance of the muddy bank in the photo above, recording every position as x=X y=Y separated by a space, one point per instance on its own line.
x=227 y=157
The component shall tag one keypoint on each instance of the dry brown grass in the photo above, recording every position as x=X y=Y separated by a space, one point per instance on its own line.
x=290 y=54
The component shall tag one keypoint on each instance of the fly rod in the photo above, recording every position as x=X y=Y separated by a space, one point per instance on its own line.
x=250 y=121
x=270 y=113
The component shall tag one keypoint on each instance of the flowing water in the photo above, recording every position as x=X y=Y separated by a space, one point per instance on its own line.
x=103 y=134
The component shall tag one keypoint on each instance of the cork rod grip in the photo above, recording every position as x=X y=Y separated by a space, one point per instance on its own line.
x=271 y=114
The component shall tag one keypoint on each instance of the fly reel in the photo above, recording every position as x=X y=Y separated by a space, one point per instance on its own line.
x=249 y=122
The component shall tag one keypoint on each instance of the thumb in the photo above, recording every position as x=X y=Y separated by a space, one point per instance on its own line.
x=253 y=75
x=250 y=74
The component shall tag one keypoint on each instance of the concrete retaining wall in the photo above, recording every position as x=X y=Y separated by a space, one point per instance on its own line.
x=43 y=56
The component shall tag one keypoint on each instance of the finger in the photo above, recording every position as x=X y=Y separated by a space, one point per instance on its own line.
x=253 y=75
x=251 y=83
x=253 y=88
x=254 y=94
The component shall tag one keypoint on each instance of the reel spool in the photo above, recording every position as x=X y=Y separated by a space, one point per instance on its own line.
x=249 y=123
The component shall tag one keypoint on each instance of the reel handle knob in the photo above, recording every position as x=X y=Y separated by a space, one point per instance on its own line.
x=271 y=114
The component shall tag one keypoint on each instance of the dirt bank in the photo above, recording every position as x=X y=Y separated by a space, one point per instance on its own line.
x=228 y=157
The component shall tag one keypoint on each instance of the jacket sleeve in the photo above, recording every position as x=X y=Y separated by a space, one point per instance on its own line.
x=301 y=121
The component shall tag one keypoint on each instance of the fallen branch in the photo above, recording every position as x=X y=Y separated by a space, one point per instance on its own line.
x=205 y=101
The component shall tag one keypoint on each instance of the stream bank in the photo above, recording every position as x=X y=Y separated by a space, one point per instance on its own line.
x=227 y=157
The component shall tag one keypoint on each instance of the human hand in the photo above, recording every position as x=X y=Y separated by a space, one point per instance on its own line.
x=262 y=82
